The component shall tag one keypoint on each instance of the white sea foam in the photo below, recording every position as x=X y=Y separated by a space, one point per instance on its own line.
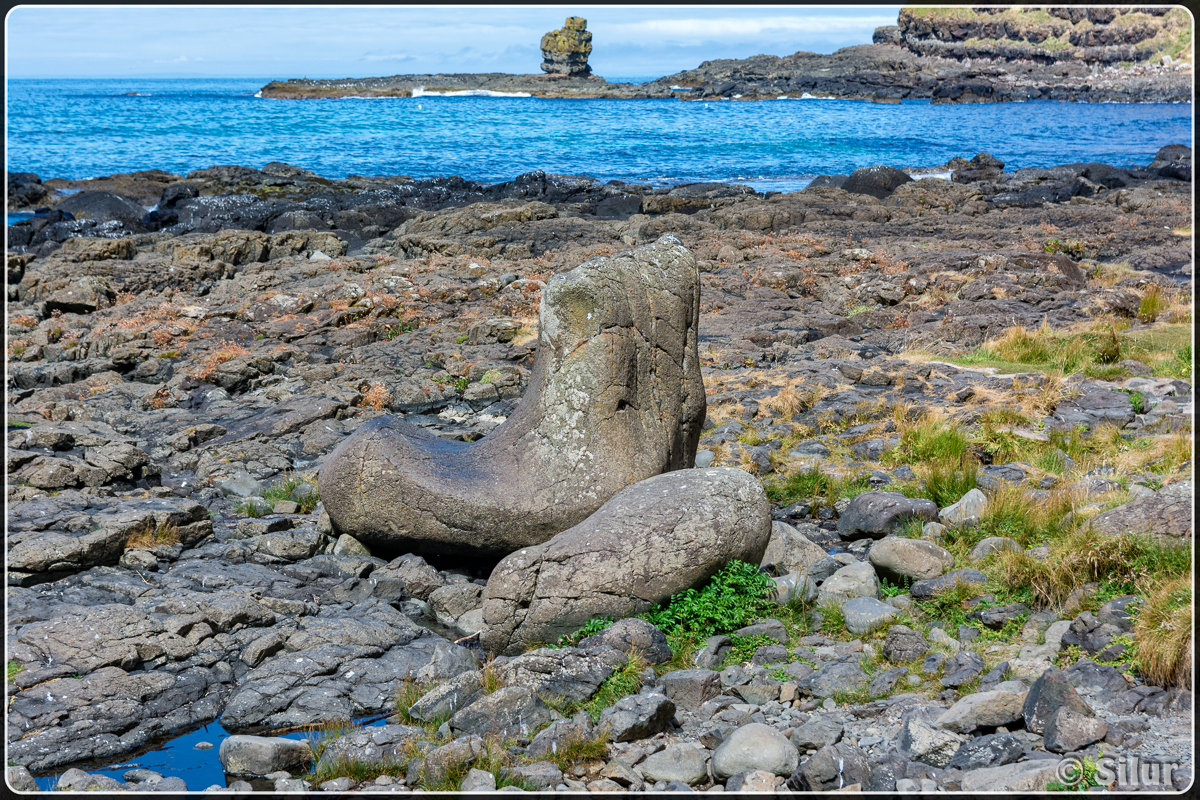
x=258 y=94
x=807 y=96
x=420 y=92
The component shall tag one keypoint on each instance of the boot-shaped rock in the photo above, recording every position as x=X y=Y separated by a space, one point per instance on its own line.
x=615 y=396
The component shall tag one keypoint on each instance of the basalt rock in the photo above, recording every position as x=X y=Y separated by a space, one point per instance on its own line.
x=566 y=50
x=652 y=540
x=615 y=397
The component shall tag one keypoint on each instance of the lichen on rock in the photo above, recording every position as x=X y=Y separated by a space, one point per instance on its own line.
x=566 y=50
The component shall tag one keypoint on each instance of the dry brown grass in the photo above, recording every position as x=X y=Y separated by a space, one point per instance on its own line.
x=377 y=396
x=124 y=297
x=24 y=320
x=150 y=536
x=226 y=351
x=1162 y=632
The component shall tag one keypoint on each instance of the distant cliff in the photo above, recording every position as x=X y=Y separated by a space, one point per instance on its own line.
x=947 y=55
x=1048 y=35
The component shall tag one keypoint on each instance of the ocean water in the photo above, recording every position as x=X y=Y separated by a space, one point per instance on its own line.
x=80 y=128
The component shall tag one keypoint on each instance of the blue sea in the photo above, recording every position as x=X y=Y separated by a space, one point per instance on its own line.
x=81 y=128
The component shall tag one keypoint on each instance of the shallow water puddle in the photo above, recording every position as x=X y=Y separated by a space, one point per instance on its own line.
x=180 y=758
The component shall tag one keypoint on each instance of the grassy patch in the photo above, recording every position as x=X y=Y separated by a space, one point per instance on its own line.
x=1162 y=630
x=833 y=621
x=284 y=486
x=929 y=440
x=624 y=681
x=1085 y=556
x=14 y=669
x=744 y=647
x=591 y=628
x=579 y=748
x=735 y=596
x=151 y=536
x=815 y=487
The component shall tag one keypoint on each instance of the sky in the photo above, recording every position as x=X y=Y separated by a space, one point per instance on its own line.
x=280 y=42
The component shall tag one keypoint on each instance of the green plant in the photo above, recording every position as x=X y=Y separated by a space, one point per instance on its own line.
x=326 y=734
x=927 y=441
x=460 y=339
x=460 y=384
x=580 y=747
x=168 y=354
x=1162 y=630
x=624 y=681
x=1082 y=779
x=734 y=597
x=889 y=589
x=14 y=669
x=833 y=621
x=286 y=484
x=591 y=628
x=1154 y=303
x=249 y=508
x=744 y=647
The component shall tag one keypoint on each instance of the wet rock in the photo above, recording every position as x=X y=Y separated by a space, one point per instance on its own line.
x=101 y=207
x=394 y=483
x=688 y=524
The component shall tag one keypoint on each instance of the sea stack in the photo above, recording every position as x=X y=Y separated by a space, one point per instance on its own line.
x=566 y=50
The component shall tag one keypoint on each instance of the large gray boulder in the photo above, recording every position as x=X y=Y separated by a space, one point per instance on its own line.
x=615 y=396
x=656 y=538
x=790 y=550
x=755 y=746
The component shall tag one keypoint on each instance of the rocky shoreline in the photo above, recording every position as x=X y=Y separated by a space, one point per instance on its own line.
x=982 y=55
x=177 y=377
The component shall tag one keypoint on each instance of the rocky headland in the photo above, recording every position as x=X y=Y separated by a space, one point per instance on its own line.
x=949 y=55
x=939 y=395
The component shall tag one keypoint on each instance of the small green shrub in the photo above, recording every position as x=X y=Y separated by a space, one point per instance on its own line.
x=591 y=628
x=744 y=647
x=735 y=596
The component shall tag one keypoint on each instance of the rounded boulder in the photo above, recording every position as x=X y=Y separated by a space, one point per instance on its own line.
x=755 y=746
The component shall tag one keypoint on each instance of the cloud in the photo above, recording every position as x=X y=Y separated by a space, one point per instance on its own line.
x=731 y=27
x=388 y=57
